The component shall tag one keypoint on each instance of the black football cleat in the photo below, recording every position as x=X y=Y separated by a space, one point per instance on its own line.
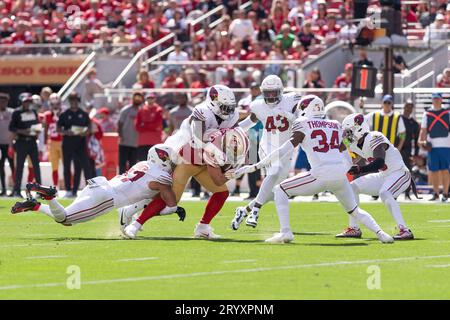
x=27 y=205
x=47 y=193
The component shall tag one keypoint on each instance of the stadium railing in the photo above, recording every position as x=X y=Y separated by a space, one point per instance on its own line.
x=141 y=56
x=53 y=49
x=420 y=96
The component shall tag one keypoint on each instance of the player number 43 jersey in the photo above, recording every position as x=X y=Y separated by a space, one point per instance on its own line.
x=321 y=143
x=277 y=120
x=393 y=160
x=132 y=186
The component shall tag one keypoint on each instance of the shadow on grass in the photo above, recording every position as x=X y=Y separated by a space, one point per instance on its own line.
x=142 y=238
x=69 y=239
x=335 y=244
x=312 y=234
x=221 y=240
x=415 y=239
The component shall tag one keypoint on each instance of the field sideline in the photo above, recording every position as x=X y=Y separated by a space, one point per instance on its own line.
x=166 y=263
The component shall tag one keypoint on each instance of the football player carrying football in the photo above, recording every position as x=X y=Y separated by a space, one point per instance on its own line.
x=210 y=148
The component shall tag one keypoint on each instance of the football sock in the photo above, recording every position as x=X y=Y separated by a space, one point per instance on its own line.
x=282 y=205
x=393 y=207
x=132 y=209
x=255 y=210
x=45 y=209
x=55 y=177
x=366 y=219
x=151 y=210
x=352 y=222
x=215 y=203
x=58 y=211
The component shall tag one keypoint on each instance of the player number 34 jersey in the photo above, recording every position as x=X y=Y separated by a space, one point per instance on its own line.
x=132 y=186
x=321 y=144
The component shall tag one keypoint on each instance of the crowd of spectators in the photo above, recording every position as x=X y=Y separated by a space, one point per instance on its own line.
x=265 y=31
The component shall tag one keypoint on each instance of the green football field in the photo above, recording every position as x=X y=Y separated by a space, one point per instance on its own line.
x=40 y=259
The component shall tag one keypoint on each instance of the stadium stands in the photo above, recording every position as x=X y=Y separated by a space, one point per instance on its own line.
x=183 y=46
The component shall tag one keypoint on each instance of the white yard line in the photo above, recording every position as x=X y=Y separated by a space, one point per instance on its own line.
x=46 y=257
x=40 y=244
x=216 y=273
x=439 y=266
x=239 y=261
x=439 y=221
x=138 y=259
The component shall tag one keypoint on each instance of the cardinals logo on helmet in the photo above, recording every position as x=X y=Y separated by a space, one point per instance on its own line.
x=305 y=103
x=213 y=94
x=359 y=119
x=162 y=154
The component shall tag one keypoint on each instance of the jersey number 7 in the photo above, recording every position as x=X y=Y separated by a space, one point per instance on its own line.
x=324 y=146
x=137 y=175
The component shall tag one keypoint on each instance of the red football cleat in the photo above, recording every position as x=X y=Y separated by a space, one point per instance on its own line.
x=350 y=233
x=47 y=193
x=404 y=234
x=28 y=205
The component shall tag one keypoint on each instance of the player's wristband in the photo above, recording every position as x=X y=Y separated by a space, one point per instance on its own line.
x=168 y=210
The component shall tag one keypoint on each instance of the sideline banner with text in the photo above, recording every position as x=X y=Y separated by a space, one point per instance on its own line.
x=20 y=70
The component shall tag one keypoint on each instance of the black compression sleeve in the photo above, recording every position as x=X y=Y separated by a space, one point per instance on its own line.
x=374 y=166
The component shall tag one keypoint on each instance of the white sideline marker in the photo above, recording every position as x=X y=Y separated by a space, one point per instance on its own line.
x=438 y=266
x=138 y=259
x=213 y=273
x=46 y=257
x=40 y=244
x=239 y=261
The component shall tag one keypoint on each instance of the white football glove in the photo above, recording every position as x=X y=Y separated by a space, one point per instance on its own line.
x=230 y=174
x=245 y=169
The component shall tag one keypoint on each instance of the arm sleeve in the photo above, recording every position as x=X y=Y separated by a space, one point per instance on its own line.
x=285 y=148
x=247 y=124
x=374 y=166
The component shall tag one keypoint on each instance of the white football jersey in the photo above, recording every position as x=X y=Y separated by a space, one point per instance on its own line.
x=393 y=160
x=203 y=113
x=321 y=145
x=132 y=186
x=277 y=120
